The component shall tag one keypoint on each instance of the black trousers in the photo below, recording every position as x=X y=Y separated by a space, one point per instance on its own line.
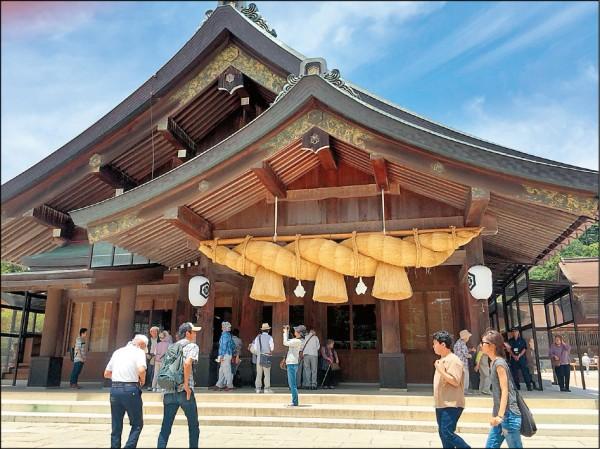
x=563 y=375
x=515 y=366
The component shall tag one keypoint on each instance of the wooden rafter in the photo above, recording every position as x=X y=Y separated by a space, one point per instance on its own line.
x=269 y=179
x=192 y=224
x=380 y=171
x=476 y=204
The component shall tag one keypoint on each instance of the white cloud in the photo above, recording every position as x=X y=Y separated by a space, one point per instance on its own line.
x=536 y=125
x=346 y=34
x=562 y=18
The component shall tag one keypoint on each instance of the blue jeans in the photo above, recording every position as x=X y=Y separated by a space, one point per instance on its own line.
x=509 y=429
x=172 y=402
x=126 y=398
x=292 y=370
x=77 y=367
x=447 y=418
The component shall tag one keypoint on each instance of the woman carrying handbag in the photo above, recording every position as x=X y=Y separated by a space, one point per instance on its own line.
x=506 y=416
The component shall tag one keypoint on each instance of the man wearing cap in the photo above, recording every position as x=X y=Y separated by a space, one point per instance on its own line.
x=127 y=370
x=518 y=360
x=264 y=345
x=184 y=395
x=226 y=350
x=462 y=352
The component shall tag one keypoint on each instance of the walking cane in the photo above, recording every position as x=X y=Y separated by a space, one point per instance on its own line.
x=325 y=376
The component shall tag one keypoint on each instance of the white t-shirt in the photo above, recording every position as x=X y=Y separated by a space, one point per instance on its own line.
x=125 y=362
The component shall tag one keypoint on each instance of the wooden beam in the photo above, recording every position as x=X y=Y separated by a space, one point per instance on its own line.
x=335 y=228
x=49 y=217
x=113 y=176
x=269 y=179
x=189 y=222
x=323 y=193
x=380 y=171
x=317 y=141
x=477 y=202
x=506 y=254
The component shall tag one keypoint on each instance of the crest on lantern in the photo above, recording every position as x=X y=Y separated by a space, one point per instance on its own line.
x=198 y=291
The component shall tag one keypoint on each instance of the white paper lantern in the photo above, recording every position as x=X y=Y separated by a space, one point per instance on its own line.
x=198 y=290
x=479 y=278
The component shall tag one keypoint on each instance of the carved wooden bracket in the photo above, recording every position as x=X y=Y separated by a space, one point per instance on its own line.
x=380 y=171
x=188 y=221
x=269 y=180
x=317 y=141
x=476 y=204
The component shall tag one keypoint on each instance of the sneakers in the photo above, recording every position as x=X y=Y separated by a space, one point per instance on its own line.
x=228 y=389
x=292 y=405
x=268 y=391
x=258 y=391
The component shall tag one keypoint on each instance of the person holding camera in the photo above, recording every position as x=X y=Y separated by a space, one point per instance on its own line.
x=293 y=358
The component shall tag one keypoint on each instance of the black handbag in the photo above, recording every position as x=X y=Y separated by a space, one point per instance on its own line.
x=528 y=426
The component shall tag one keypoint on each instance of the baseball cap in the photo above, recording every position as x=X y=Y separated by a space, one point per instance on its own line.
x=187 y=327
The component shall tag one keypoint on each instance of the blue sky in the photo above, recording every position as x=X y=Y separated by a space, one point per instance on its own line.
x=521 y=74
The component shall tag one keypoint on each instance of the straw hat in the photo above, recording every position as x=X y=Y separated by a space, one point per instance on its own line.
x=265 y=327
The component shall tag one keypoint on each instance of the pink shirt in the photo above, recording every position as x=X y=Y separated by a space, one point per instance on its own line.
x=161 y=349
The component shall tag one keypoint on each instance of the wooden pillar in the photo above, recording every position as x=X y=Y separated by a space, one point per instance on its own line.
x=249 y=322
x=126 y=315
x=392 y=365
x=53 y=320
x=183 y=307
x=204 y=371
x=474 y=313
x=281 y=316
x=390 y=327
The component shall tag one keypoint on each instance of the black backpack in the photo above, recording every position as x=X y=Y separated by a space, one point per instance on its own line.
x=170 y=375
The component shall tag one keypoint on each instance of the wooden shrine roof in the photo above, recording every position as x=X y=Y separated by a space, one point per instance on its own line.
x=537 y=202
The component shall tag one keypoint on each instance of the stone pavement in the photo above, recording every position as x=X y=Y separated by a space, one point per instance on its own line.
x=98 y=435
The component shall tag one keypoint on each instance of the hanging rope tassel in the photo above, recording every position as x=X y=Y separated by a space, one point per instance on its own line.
x=299 y=291
x=275 y=230
x=361 y=287
x=214 y=245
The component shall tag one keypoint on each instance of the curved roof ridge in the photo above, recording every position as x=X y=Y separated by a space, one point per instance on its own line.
x=520 y=156
x=516 y=153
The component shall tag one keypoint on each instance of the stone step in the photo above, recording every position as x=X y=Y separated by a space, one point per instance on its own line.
x=362 y=412
x=303 y=422
x=536 y=400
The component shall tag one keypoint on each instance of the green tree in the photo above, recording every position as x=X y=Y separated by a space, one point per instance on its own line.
x=585 y=245
x=9 y=267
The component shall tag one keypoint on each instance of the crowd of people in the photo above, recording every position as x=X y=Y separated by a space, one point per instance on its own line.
x=310 y=365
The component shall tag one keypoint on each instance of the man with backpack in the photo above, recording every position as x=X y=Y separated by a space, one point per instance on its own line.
x=176 y=377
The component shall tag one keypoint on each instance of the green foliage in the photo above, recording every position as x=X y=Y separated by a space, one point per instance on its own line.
x=9 y=267
x=585 y=245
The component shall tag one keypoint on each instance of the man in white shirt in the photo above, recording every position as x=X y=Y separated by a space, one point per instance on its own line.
x=263 y=343
x=127 y=369
x=310 y=359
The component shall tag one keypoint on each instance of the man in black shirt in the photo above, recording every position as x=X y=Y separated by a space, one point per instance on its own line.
x=518 y=359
